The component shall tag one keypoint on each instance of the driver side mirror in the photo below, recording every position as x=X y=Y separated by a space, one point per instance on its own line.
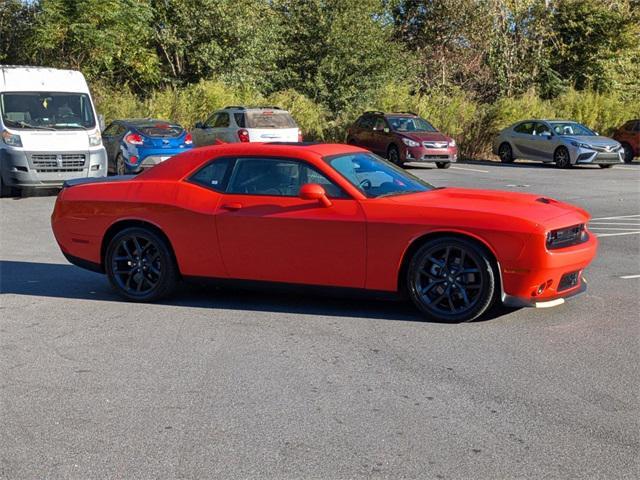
x=313 y=191
x=199 y=125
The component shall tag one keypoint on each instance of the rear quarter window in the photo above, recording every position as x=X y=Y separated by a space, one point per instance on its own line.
x=215 y=175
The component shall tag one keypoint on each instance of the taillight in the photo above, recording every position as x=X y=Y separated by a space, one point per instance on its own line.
x=243 y=135
x=133 y=139
x=188 y=140
x=299 y=136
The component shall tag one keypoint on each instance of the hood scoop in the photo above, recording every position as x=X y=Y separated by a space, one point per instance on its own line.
x=545 y=200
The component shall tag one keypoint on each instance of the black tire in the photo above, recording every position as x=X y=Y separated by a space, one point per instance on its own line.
x=120 y=167
x=606 y=165
x=140 y=265
x=437 y=287
x=505 y=153
x=393 y=155
x=5 y=190
x=628 y=152
x=443 y=164
x=561 y=158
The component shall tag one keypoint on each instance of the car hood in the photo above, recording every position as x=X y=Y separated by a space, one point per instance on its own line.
x=595 y=141
x=537 y=209
x=425 y=136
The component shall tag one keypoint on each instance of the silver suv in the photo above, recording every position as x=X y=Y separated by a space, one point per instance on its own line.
x=246 y=124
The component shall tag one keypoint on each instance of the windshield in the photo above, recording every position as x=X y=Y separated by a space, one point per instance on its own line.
x=376 y=177
x=269 y=119
x=410 y=124
x=47 y=110
x=570 y=128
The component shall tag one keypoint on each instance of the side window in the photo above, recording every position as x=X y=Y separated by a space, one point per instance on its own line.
x=110 y=131
x=120 y=130
x=380 y=124
x=525 y=128
x=214 y=175
x=637 y=127
x=366 y=123
x=239 y=117
x=541 y=129
x=222 y=120
x=211 y=120
x=278 y=177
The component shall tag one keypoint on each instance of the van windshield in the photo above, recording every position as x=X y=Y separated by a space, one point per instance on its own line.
x=47 y=110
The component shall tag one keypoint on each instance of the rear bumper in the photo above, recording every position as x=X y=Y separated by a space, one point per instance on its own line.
x=147 y=158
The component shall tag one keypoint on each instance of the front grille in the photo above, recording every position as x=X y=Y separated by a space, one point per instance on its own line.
x=435 y=144
x=427 y=157
x=569 y=280
x=66 y=162
x=566 y=237
x=607 y=149
x=607 y=158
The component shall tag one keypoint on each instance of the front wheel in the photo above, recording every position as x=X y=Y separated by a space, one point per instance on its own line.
x=561 y=157
x=451 y=279
x=505 y=153
x=443 y=164
x=393 y=155
x=628 y=153
x=140 y=265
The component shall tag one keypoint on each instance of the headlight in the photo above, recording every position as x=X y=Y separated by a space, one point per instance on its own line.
x=581 y=145
x=410 y=143
x=11 y=139
x=452 y=143
x=565 y=237
x=95 y=139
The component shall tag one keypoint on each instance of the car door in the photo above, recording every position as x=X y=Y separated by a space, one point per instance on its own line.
x=521 y=139
x=111 y=137
x=362 y=132
x=539 y=144
x=267 y=233
x=205 y=135
x=380 y=136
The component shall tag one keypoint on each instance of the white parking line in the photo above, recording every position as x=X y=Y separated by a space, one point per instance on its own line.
x=626 y=168
x=592 y=227
x=615 y=218
x=615 y=223
x=617 y=234
x=471 y=169
x=627 y=277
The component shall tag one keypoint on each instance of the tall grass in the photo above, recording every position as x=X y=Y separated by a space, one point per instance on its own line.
x=451 y=110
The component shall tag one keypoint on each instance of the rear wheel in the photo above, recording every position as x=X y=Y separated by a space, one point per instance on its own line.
x=628 y=152
x=120 y=167
x=451 y=279
x=443 y=164
x=394 y=156
x=505 y=153
x=140 y=265
x=561 y=157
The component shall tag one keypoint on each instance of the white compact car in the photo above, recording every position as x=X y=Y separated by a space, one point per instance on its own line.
x=244 y=124
x=566 y=143
x=49 y=130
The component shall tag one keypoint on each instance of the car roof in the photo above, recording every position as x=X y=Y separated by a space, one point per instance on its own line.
x=145 y=122
x=252 y=108
x=179 y=166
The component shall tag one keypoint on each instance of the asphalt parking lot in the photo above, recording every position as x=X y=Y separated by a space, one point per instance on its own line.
x=237 y=384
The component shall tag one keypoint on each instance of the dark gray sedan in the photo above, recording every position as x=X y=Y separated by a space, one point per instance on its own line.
x=566 y=143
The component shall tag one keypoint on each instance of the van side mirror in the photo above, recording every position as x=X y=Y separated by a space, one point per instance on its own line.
x=101 y=123
x=313 y=191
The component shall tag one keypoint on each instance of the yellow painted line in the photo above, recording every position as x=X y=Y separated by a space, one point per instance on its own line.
x=471 y=169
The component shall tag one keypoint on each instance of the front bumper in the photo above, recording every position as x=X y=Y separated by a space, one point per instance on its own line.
x=422 y=154
x=37 y=169
x=517 y=302
x=584 y=156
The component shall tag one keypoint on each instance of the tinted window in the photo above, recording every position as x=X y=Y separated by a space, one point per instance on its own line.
x=261 y=176
x=541 y=128
x=269 y=119
x=410 y=124
x=239 y=117
x=366 y=122
x=214 y=175
x=380 y=124
x=110 y=130
x=637 y=128
x=222 y=120
x=525 y=128
x=376 y=177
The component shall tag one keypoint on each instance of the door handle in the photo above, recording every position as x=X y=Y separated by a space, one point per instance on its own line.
x=232 y=206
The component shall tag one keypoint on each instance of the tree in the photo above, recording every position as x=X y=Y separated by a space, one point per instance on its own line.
x=16 y=25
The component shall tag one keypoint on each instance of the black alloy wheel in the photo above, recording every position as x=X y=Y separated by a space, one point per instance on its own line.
x=451 y=279
x=505 y=153
x=561 y=157
x=140 y=265
x=393 y=155
x=443 y=164
x=628 y=153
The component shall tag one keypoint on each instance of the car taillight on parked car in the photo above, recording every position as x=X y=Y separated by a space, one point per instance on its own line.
x=243 y=135
x=188 y=139
x=133 y=139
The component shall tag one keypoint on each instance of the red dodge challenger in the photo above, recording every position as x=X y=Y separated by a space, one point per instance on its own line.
x=323 y=215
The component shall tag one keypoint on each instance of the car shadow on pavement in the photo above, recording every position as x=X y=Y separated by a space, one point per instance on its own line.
x=526 y=164
x=70 y=282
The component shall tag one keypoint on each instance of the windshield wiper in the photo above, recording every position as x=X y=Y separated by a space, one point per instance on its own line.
x=28 y=125
x=400 y=192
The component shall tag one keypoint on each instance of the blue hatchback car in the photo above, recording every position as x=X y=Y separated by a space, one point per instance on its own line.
x=136 y=144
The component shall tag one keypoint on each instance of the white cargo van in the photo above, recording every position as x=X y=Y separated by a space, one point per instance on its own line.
x=49 y=130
